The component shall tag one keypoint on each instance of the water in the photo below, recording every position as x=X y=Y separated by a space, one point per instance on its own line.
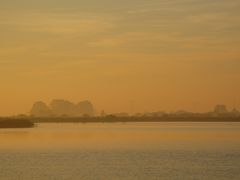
x=121 y=151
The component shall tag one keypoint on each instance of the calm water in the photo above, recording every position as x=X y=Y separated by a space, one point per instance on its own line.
x=121 y=151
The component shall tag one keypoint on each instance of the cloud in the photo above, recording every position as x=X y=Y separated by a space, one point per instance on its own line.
x=149 y=27
x=57 y=23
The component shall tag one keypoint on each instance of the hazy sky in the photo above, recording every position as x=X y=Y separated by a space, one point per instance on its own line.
x=125 y=55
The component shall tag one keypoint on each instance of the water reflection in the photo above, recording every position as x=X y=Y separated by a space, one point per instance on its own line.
x=123 y=135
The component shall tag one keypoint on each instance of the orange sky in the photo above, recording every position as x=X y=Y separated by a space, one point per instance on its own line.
x=136 y=55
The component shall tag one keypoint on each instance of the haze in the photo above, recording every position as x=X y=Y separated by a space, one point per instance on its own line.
x=138 y=55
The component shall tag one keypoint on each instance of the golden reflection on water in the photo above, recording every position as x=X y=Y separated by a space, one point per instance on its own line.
x=123 y=135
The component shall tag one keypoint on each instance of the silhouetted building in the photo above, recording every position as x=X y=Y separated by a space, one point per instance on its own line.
x=235 y=112
x=103 y=114
x=220 y=109
x=122 y=114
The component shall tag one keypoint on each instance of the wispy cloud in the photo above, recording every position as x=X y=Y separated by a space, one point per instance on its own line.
x=57 y=22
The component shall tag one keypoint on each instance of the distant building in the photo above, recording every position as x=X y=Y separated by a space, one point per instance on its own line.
x=220 y=109
x=103 y=114
x=122 y=114
x=235 y=112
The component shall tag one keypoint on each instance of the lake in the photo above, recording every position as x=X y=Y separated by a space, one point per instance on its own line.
x=121 y=151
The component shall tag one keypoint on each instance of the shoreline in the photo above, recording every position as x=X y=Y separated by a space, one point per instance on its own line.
x=31 y=120
x=15 y=123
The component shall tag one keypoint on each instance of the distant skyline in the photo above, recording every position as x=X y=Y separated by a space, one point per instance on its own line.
x=124 y=56
x=64 y=107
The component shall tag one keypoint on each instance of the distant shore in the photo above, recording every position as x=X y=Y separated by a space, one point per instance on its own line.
x=29 y=122
x=112 y=119
x=15 y=123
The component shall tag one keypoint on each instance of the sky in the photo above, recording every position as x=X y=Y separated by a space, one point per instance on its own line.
x=128 y=55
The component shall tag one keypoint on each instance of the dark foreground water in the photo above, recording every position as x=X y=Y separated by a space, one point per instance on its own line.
x=121 y=151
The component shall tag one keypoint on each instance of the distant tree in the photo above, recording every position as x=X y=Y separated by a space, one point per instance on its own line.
x=40 y=109
x=85 y=107
x=62 y=107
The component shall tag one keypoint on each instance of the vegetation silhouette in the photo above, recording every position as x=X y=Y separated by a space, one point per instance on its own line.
x=62 y=111
x=61 y=107
x=65 y=111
